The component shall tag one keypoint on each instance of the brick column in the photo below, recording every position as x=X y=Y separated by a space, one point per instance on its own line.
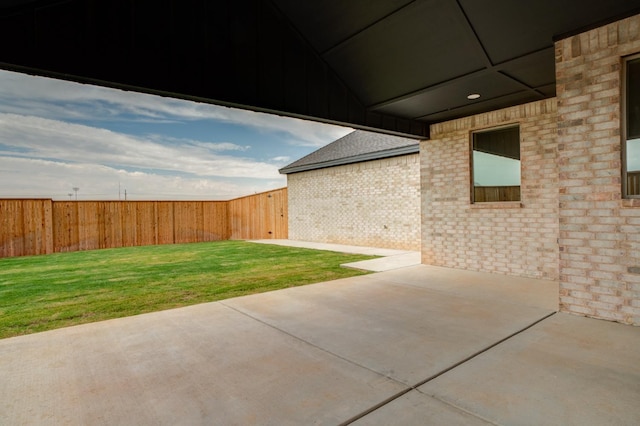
x=599 y=231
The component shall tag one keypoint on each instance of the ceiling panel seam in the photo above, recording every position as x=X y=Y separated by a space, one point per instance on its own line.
x=328 y=70
x=427 y=89
x=522 y=84
x=350 y=93
x=471 y=32
x=310 y=47
x=499 y=67
x=360 y=31
x=426 y=116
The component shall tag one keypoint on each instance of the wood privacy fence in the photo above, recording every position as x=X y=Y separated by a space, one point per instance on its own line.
x=496 y=193
x=42 y=226
x=633 y=183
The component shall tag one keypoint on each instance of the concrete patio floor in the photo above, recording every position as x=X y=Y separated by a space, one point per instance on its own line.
x=413 y=345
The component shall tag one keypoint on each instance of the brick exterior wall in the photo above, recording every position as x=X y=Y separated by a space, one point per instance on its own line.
x=599 y=231
x=572 y=224
x=373 y=203
x=510 y=238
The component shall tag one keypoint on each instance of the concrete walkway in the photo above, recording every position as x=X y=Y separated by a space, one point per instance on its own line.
x=415 y=345
x=391 y=259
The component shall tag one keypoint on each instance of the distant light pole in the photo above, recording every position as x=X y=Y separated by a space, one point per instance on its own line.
x=69 y=194
x=76 y=189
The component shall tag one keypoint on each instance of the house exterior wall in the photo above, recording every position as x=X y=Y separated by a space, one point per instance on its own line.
x=599 y=230
x=515 y=238
x=373 y=203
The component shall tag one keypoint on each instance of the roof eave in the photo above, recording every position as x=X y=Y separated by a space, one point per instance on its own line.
x=379 y=155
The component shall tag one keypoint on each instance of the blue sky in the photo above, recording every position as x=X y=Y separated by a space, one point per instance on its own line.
x=56 y=135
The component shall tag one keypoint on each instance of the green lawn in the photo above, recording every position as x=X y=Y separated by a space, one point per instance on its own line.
x=40 y=293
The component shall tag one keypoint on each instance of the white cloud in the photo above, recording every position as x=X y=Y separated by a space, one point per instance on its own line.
x=281 y=159
x=52 y=179
x=210 y=146
x=50 y=98
x=44 y=152
x=52 y=139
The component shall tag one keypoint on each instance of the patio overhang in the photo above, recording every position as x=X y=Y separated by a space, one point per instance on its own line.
x=393 y=66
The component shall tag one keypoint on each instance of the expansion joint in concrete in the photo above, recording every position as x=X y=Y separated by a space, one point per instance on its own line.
x=306 y=342
x=440 y=373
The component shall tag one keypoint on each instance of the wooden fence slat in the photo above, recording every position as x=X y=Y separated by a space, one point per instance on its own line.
x=128 y=218
x=165 y=213
x=259 y=216
x=18 y=230
x=25 y=227
x=47 y=225
x=102 y=231
x=65 y=226
x=6 y=224
x=112 y=224
x=185 y=221
x=281 y=215
x=215 y=225
x=12 y=228
x=31 y=223
x=88 y=225
x=496 y=193
x=29 y=227
x=145 y=223
x=633 y=183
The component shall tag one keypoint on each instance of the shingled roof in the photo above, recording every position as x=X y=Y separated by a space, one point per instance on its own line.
x=355 y=147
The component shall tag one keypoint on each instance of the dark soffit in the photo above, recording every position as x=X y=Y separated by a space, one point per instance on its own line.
x=420 y=59
x=393 y=66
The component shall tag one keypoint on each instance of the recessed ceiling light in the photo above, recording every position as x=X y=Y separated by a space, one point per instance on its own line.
x=473 y=96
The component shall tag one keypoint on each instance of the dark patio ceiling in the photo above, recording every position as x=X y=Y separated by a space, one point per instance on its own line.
x=389 y=65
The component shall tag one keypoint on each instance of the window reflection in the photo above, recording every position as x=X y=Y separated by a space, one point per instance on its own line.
x=631 y=180
x=633 y=167
x=496 y=165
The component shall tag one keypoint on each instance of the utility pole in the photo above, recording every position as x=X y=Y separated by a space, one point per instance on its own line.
x=76 y=189
x=69 y=194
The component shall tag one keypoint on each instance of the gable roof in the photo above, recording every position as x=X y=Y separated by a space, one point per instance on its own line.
x=355 y=147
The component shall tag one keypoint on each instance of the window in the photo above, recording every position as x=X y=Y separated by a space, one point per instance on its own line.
x=496 y=165
x=631 y=145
